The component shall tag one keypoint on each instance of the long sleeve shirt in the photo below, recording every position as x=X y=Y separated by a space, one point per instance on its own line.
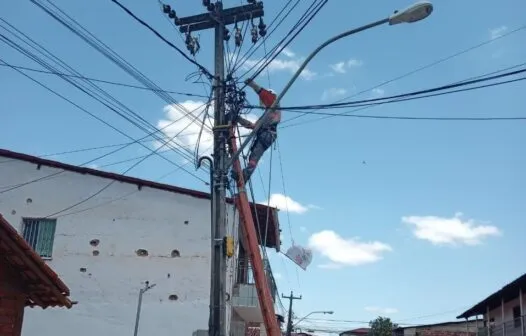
x=272 y=119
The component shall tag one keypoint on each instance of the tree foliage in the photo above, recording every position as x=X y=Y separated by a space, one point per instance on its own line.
x=382 y=326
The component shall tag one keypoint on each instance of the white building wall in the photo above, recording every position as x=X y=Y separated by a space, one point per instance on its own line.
x=107 y=292
x=508 y=310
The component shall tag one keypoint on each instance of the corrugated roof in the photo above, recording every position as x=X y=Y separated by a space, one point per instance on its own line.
x=44 y=287
x=506 y=294
x=272 y=234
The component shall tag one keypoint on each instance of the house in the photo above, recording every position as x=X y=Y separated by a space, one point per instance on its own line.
x=504 y=309
x=356 y=332
x=25 y=280
x=106 y=234
x=467 y=328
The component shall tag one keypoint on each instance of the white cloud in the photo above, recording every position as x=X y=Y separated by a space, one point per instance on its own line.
x=381 y=311
x=377 y=93
x=184 y=122
x=284 y=203
x=497 y=32
x=289 y=53
x=343 y=66
x=291 y=64
x=450 y=231
x=333 y=93
x=346 y=252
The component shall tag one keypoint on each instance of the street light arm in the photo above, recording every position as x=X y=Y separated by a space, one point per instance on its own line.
x=293 y=79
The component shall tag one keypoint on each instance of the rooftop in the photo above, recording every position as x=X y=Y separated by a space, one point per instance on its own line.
x=259 y=212
x=44 y=288
x=440 y=324
x=506 y=293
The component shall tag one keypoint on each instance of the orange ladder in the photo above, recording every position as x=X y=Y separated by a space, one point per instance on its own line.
x=262 y=287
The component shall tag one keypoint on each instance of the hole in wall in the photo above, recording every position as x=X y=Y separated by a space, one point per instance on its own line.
x=95 y=253
x=94 y=242
x=168 y=275
x=13 y=212
x=175 y=254
x=186 y=222
x=29 y=201
x=142 y=253
x=173 y=297
x=83 y=269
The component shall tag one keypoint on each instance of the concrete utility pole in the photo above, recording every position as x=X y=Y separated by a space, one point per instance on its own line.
x=218 y=18
x=146 y=288
x=291 y=299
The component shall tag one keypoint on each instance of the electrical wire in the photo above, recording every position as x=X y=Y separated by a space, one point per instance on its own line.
x=100 y=80
x=101 y=190
x=282 y=44
x=427 y=66
x=95 y=117
x=364 y=106
x=107 y=100
x=130 y=13
x=410 y=94
x=106 y=51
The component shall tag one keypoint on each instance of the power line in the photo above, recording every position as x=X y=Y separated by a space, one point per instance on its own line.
x=365 y=106
x=410 y=94
x=119 y=108
x=430 y=65
x=101 y=190
x=100 y=80
x=98 y=118
x=73 y=25
x=130 y=13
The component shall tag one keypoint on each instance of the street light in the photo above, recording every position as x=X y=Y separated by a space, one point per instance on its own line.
x=330 y=312
x=413 y=13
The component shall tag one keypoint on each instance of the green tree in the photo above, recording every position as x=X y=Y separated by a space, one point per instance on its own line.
x=382 y=326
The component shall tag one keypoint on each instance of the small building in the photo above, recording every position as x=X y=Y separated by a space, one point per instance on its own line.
x=468 y=328
x=502 y=312
x=25 y=280
x=356 y=332
x=106 y=234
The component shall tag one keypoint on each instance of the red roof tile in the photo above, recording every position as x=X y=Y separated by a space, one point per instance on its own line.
x=45 y=288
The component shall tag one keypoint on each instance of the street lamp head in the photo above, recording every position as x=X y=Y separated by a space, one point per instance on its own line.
x=413 y=13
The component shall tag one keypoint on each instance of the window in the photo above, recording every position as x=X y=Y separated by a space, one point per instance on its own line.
x=40 y=234
x=516 y=316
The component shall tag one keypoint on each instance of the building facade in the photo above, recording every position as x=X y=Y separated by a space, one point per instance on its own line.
x=107 y=244
x=467 y=328
x=501 y=313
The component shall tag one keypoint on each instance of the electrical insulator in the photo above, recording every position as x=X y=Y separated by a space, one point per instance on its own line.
x=172 y=14
x=262 y=28
x=251 y=1
x=238 y=37
x=211 y=7
x=261 y=24
x=166 y=9
x=254 y=33
x=206 y=3
x=227 y=34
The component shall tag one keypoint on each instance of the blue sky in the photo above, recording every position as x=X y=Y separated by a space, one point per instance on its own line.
x=428 y=225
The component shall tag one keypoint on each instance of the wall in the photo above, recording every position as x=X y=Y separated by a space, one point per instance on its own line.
x=12 y=301
x=450 y=329
x=508 y=310
x=124 y=220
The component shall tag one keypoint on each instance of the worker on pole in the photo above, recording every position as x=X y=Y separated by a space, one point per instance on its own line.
x=266 y=135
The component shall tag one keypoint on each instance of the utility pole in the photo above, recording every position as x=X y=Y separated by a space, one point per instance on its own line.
x=291 y=299
x=218 y=18
x=146 y=288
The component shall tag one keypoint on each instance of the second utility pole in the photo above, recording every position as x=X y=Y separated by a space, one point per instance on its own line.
x=289 y=322
x=218 y=18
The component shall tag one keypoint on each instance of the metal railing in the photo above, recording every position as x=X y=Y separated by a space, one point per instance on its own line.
x=514 y=327
x=245 y=276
